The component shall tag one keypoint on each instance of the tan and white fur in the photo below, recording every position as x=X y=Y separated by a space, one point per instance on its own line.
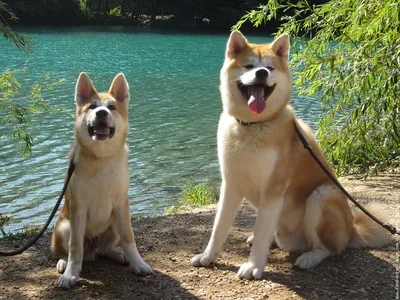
x=95 y=218
x=262 y=160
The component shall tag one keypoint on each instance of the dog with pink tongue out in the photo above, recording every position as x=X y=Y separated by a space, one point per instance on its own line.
x=95 y=219
x=263 y=161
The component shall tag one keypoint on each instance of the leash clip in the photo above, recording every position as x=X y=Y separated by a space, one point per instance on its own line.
x=390 y=227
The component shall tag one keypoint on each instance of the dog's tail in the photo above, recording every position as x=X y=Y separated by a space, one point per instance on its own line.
x=367 y=232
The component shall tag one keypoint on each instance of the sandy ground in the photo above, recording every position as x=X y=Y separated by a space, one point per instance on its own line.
x=168 y=243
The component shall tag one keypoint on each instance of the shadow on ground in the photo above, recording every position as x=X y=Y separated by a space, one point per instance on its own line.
x=169 y=242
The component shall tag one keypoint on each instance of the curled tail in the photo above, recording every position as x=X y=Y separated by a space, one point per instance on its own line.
x=367 y=232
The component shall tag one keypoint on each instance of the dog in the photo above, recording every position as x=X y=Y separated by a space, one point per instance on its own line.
x=95 y=218
x=262 y=160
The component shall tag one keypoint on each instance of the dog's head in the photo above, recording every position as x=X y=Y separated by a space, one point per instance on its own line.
x=255 y=78
x=101 y=118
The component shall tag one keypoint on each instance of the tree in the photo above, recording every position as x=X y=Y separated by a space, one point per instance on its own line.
x=348 y=53
x=47 y=12
x=16 y=109
x=19 y=41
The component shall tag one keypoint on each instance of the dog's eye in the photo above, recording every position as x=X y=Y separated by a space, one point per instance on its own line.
x=111 y=107
x=93 y=106
x=249 y=66
x=270 y=68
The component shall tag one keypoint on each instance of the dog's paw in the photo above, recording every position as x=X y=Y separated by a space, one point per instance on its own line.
x=307 y=260
x=141 y=268
x=203 y=259
x=250 y=271
x=70 y=276
x=312 y=258
x=250 y=240
x=61 y=265
x=67 y=281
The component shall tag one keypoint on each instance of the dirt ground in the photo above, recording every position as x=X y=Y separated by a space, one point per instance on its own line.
x=168 y=243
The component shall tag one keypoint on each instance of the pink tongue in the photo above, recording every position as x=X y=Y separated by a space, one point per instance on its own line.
x=102 y=130
x=256 y=101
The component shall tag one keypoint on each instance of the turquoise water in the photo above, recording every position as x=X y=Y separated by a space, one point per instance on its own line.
x=174 y=112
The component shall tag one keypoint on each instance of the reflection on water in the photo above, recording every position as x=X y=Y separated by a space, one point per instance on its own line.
x=174 y=112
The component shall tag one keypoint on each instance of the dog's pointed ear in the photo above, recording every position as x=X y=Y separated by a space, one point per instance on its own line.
x=236 y=44
x=281 y=46
x=84 y=89
x=119 y=88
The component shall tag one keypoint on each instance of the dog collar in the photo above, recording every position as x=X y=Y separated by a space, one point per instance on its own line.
x=245 y=123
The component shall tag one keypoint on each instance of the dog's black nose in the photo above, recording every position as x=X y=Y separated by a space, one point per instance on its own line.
x=261 y=74
x=101 y=113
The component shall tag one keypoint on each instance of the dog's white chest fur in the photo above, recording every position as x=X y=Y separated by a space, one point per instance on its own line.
x=98 y=188
x=246 y=159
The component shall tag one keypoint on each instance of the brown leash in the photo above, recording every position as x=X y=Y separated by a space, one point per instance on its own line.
x=307 y=146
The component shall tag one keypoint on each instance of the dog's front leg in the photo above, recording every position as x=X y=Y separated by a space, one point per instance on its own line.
x=228 y=206
x=75 y=253
x=266 y=222
x=124 y=227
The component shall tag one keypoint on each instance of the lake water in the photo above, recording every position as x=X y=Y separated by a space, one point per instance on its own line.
x=174 y=111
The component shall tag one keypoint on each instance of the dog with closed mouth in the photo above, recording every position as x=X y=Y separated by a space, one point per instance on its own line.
x=95 y=218
x=262 y=160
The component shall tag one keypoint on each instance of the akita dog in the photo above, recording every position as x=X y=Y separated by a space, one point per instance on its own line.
x=95 y=218
x=262 y=160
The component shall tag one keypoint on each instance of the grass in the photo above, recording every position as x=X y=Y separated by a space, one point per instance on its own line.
x=4 y=220
x=196 y=195
x=25 y=232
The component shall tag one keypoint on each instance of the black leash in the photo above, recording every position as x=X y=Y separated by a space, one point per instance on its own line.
x=307 y=146
x=32 y=241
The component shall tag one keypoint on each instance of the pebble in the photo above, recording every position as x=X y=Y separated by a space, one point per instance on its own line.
x=202 y=292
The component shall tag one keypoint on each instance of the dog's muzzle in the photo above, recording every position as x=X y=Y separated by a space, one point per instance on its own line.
x=100 y=130
x=256 y=95
x=246 y=89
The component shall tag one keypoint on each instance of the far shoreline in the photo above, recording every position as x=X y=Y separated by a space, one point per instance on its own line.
x=24 y=28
